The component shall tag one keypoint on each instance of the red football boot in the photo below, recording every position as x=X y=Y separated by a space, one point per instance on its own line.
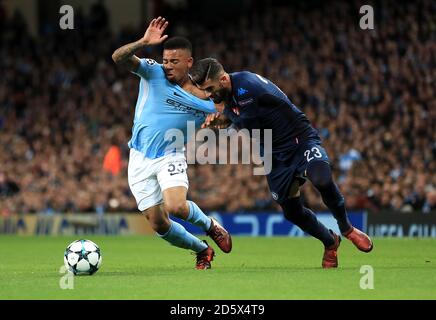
x=330 y=258
x=204 y=258
x=359 y=239
x=220 y=235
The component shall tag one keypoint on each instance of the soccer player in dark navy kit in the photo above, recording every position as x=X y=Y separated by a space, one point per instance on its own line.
x=253 y=102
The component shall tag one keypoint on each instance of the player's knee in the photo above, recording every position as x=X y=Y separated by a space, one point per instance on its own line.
x=320 y=182
x=179 y=209
x=319 y=173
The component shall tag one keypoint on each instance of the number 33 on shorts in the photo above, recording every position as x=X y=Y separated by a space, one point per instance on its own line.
x=176 y=167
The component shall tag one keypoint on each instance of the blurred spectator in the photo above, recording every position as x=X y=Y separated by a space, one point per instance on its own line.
x=8 y=188
x=430 y=203
x=2 y=15
x=99 y=16
x=112 y=160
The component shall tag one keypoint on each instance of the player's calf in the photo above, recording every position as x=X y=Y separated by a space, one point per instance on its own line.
x=158 y=221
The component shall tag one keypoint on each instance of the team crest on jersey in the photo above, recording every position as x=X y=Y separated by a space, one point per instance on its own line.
x=150 y=61
x=242 y=91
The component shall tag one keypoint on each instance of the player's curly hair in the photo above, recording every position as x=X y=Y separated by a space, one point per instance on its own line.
x=178 y=43
x=208 y=68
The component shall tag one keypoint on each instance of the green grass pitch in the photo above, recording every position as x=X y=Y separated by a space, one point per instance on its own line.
x=281 y=268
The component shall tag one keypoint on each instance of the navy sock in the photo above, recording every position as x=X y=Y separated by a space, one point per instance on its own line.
x=306 y=220
x=320 y=175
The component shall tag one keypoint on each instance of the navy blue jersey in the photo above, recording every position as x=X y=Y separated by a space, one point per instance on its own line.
x=257 y=103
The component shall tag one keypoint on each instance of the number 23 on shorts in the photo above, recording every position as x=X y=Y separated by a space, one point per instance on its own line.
x=313 y=153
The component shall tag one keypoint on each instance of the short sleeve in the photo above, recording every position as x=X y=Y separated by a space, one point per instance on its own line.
x=149 y=69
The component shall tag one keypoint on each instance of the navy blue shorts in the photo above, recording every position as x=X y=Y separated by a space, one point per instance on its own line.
x=284 y=172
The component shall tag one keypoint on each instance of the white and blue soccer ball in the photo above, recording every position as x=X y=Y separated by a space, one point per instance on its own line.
x=82 y=257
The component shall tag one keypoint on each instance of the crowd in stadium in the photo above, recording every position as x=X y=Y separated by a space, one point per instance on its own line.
x=66 y=110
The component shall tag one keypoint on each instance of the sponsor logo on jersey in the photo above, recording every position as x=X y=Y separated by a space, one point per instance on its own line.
x=245 y=102
x=181 y=107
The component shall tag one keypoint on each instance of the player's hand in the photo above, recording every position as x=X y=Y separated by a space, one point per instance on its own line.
x=215 y=121
x=220 y=107
x=209 y=119
x=154 y=33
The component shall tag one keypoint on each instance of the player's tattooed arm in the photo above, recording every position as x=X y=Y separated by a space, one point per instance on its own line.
x=216 y=121
x=125 y=56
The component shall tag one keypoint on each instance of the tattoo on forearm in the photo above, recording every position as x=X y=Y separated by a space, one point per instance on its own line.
x=125 y=52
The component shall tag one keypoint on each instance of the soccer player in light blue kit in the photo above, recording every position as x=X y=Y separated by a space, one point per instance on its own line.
x=157 y=176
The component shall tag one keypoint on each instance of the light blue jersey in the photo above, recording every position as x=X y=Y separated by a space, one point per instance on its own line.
x=162 y=107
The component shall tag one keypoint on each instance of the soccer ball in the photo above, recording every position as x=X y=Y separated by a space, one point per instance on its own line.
x=82 y=257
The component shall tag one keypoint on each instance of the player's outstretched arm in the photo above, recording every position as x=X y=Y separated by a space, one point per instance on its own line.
x=216 y=121
x=125 y=56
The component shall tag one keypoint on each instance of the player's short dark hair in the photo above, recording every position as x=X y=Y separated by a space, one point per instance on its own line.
x=208 y=68
x=178 y=43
